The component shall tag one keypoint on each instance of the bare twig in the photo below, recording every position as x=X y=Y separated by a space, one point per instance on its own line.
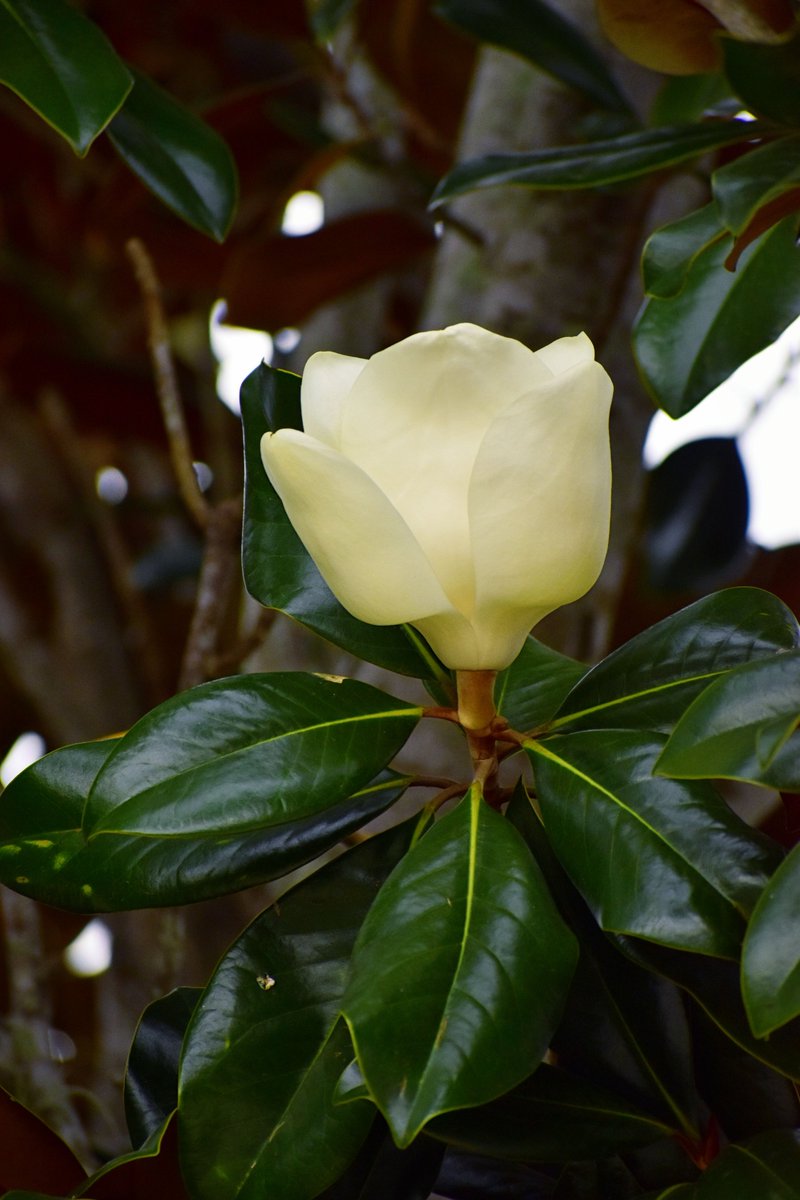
x=167 y=383
x=217 y=575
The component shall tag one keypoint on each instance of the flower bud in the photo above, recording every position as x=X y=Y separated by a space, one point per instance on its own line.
x=457 y=481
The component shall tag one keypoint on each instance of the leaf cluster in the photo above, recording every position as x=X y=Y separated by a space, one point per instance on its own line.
x=538 y=997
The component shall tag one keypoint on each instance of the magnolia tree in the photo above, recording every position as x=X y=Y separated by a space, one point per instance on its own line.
x=568 y=969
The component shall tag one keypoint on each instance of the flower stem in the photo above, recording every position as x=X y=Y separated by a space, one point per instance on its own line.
x=476 y=710
x=478 y=716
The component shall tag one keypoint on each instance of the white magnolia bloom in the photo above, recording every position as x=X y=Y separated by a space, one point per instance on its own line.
x=456 y=481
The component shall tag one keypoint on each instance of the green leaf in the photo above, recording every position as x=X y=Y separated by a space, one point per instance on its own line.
x=740 y=727
x=671 y=864
x=541 y=34
x=278 y=570
x=237 y=754
x=204 y=820
x=669 y=252
x=151 y=1075
x=715 y=985
x=529 y=691
x=766 y=78
x=623 y=1027
x=767 y=1167
x=684 y=98
x=688 y=344
x=551 y=1117
x=651 y=680
x=380 y=1171
x=459 y=973
x=266 y=1035
x=177 y=157
x=745 y=1095
x=46 y=47
x=744 y=186
x=771 y=953
x=595 y=164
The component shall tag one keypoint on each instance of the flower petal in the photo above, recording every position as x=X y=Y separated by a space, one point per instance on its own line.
x=414 y=421
x=327 y=381
x=565 y=353
x=363 y=548
x=539 y=517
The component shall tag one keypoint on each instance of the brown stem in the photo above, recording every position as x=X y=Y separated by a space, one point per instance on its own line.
x=167 y=382
x=476 y=710
x=219 y=570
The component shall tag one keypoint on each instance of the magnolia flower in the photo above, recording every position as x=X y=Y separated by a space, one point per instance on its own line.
x=456 y=481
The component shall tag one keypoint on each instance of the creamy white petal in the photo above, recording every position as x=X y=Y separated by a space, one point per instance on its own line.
x=414 y=420
x=565 y=353
x=465 y=646
x=539 y=516
x=327 y=381
x=364 y=550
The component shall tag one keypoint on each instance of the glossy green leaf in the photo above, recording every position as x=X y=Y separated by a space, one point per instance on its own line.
x=688 y=344
x=237 y=754
x=771 y=953
x=151 y=1076
x=177 y=157
x=715 y=985
x=459 y=973
x=380 y=1171
x=266 y=1034
x=766 y=78
x=740 y=727
x=651 y=680
x=663 y=860
x=234 y=783
x=623 y=1027
x=540 y=33
x=45 y=47
x=753 y=180
x=529 y=691
x=594 y=164
x=767 y=1167
x=745 y=1095
x=551 y=1117
x=670 y=251
x=278 y=570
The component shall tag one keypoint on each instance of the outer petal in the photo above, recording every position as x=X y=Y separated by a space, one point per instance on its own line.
x=414 y=420
x=364 y=550
x=327 y=381
x=539 y=499
x=565 y=353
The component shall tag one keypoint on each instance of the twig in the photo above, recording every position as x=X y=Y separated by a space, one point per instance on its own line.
x=217 y=574
x=167 y=383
